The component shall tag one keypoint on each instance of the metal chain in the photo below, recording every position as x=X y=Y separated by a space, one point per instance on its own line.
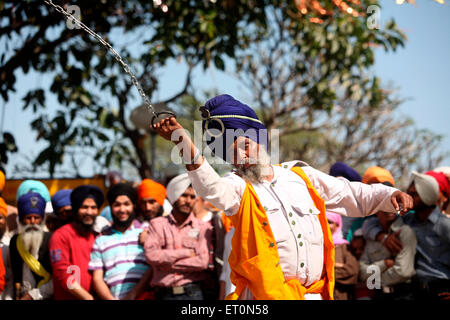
x=119 y=59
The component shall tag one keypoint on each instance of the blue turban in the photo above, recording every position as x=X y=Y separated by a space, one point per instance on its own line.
x=31 y=203
x=81 y=193
x=234 y=115
x=33 y=185
x=61 y=199
x=340 y=169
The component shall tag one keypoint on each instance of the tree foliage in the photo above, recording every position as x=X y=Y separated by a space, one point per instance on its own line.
x=294 y=69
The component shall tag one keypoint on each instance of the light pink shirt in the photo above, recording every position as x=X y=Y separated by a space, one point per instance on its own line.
x=168 y=249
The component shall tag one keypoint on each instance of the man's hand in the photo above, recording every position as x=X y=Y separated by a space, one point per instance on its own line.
x=143 y=236
x=391 y=242
x=389 y=263
x=166 y=127
x=402 y=202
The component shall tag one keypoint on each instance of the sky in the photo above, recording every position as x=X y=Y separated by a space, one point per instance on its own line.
x=420 y=71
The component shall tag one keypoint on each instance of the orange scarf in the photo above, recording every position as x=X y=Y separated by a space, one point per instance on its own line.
x=254 y=258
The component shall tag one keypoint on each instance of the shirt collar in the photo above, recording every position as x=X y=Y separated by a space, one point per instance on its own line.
x=190 y=220
x=434 y=216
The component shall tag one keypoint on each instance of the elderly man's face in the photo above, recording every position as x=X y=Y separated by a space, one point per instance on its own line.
x=245 y=152
x=32 y=219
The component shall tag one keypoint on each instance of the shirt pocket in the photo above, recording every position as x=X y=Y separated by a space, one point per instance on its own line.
x=277 y=221
x=309 y=216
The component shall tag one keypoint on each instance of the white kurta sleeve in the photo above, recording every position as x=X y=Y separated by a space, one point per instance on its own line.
x=353 y=199
x=225 y=193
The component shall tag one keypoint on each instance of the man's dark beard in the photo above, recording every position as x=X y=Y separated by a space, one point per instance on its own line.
x=83 y=227
x=143 y=217
x=123 y=224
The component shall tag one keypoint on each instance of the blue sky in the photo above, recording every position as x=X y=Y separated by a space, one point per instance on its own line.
x=420 y=71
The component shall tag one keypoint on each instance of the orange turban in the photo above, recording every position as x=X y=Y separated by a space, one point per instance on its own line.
x=2 y=181
x=151 y=189
x=3 y=207
x=377 y=175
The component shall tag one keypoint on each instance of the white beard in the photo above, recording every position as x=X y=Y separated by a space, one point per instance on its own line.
x=32 y=239
x=257 y=172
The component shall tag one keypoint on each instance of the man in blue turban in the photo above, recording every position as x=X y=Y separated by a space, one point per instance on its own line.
x=225 y=119
x=340 y=169
x=62 y=207
x=29 y=254
x=282 y=247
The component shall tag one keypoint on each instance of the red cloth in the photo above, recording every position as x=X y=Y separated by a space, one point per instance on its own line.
x=2 y=272
x=70 y=254
x=444 y=184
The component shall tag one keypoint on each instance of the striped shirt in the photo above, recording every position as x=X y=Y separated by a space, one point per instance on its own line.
x=121 y=258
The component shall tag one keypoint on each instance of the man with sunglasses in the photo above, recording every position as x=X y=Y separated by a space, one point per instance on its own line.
x=177 y=246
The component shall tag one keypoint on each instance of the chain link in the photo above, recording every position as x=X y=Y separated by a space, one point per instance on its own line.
x=119 y=59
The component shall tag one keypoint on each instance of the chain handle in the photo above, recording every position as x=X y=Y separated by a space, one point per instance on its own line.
x=118 y=58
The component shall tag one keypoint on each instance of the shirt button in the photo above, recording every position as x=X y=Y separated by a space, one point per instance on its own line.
x=310 y=210
x=299 y=236
x=293 y=222
x=301 y=244
x=290 y=214
x=271 y=244
x=302 y=265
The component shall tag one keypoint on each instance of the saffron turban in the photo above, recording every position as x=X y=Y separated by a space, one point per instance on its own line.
x=33 y=185
x=427 y=188
x=151 y=189
x=340 y=169
x=378 y=175
x=235 y=115
x=81 y=193
x=444 y=184
x=31 y=203
x=3 y=207
x=2 y=180
x=177 y=186
x=61 y=199
x=122 y=189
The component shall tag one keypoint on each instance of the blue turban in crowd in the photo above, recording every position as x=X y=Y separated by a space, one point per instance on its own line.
x=61 y=199
x=81 y=193
x=31 y=203
x=33 y=185
x=234 y=115
x=340 y=169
